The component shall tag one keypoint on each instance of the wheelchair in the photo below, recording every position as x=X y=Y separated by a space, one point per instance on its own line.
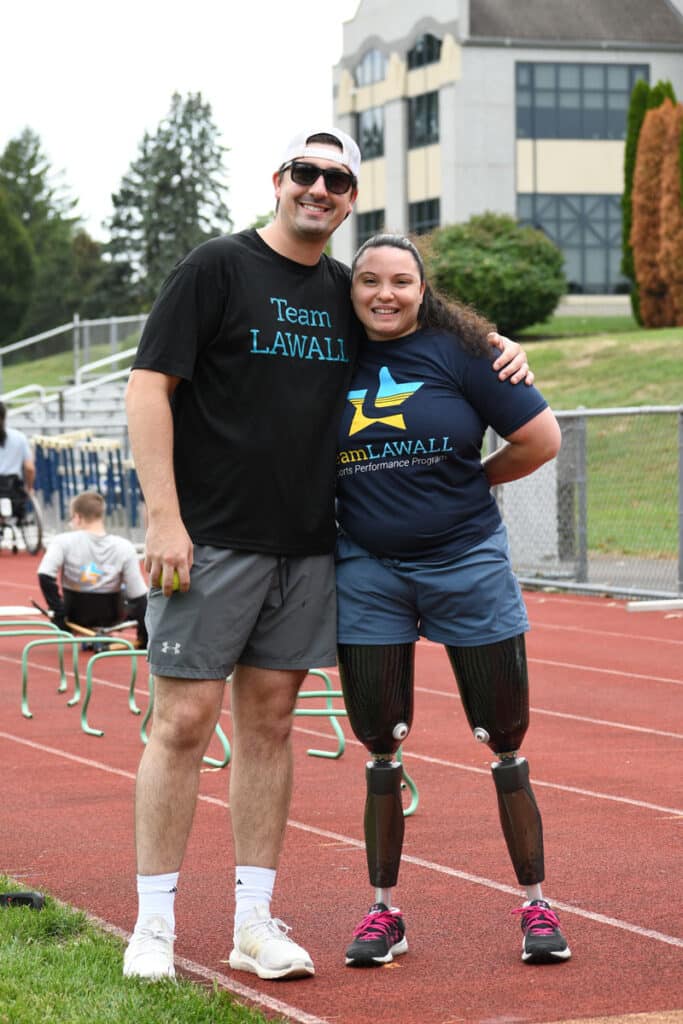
x=21 y=519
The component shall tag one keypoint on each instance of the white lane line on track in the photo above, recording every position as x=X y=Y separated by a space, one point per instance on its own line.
x=537 y=603
x=613 y=922
x=428 y=759
x=607 y=632
x=442 y=762
x=565 y=714
x=225 y=982
x=606 y=671
x=622 y=673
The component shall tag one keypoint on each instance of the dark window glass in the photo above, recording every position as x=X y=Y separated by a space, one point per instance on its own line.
x=617 y=112
x=368 y=224
x=569 y=115
x=423 y=216
x=427 y=50
x=370 y=132
x=588 y=231
x=575 y=101
x=423 y=120
x=372 y=68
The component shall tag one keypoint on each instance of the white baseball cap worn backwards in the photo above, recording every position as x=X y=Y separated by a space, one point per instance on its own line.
x=299 y=148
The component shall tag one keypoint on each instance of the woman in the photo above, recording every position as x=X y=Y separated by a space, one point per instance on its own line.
x=422 y=552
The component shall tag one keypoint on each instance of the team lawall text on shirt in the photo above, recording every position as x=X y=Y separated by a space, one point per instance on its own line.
x=300 y=346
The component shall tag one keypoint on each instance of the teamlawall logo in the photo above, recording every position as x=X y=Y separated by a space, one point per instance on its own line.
x=390 y=395
x=91 y=574
x=388 y=453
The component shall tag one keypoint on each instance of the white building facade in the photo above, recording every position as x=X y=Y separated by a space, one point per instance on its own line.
x=514 y=106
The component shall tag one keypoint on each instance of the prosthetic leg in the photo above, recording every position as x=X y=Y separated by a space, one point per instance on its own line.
x=377 y=682
x=494 y=688
x=493 y=684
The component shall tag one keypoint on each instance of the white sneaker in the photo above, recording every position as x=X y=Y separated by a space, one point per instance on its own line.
x=262 y=947
x=150 y=951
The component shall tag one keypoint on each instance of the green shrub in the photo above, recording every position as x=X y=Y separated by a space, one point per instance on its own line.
x=509 y=273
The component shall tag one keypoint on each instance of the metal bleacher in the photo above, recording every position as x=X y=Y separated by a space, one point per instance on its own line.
x=80 y=440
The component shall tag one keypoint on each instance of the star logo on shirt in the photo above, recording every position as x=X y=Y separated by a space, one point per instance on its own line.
x=389 y=395
x=91 y=574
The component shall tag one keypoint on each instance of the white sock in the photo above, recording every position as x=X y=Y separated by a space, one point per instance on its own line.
x=156 y=897
x=533 y=892
x=252 y=887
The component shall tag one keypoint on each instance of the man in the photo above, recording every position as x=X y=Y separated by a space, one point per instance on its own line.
x=233 y=403
x=17 y=468
x=100 y=573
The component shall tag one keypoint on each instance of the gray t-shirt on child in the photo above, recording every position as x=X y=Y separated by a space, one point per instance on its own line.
x=94 y=563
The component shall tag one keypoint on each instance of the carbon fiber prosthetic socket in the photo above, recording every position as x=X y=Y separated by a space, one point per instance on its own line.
x=377 y=681
x=494 y=688
x=378 y=691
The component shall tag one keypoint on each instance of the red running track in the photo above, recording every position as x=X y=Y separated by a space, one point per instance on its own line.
x=604 y=748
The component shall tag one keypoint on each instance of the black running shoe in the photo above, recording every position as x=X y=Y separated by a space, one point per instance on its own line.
x=379 y=937
x=543 y=941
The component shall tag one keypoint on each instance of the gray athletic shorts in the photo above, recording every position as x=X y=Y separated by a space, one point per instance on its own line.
x=268 y=611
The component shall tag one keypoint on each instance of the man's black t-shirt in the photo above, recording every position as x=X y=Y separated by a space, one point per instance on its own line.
x=265 y=348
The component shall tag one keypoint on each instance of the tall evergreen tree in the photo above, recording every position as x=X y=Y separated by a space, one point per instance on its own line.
x=670 y=255
x=643 y=98
x=17 y=270
x=171 y=198
x=636 y=113
x=46 y=212
x=656 y=302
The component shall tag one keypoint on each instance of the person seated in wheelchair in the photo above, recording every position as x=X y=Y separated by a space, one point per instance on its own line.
x=17 y=468
x=101 y=581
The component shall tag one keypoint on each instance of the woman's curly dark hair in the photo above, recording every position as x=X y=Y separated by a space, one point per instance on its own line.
x=437 y=311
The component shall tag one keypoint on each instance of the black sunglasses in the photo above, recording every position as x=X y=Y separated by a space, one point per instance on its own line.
x=337 y=182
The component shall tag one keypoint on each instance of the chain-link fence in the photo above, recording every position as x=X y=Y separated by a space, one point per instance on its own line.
x=607 y=514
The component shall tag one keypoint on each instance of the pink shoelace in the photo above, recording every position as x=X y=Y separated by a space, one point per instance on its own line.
x=376 y=924
x=538 y=920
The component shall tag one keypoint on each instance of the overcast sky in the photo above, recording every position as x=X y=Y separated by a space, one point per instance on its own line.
x=90 y=78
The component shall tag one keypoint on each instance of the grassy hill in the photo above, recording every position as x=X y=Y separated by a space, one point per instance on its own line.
x=597 y=363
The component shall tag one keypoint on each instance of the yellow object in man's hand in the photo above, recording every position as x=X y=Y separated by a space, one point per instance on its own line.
x=176 y=580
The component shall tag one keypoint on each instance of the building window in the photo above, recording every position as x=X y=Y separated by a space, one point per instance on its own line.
x=423 y=216
x=427 y=50
x=588 y=231
x=372 y=68
x=368 y=224
x=370 y=132
x=575 y=101
x=423 y=120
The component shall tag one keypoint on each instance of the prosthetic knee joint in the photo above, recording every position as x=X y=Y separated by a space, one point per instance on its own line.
x=493 y=684
x=378 y=691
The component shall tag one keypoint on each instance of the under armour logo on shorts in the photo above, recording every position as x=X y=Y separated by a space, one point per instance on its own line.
x=169 y=648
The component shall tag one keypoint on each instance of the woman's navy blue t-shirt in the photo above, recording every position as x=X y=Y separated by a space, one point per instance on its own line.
x=410 y=482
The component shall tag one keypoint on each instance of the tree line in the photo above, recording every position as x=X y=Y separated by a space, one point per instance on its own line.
x=172 y=197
